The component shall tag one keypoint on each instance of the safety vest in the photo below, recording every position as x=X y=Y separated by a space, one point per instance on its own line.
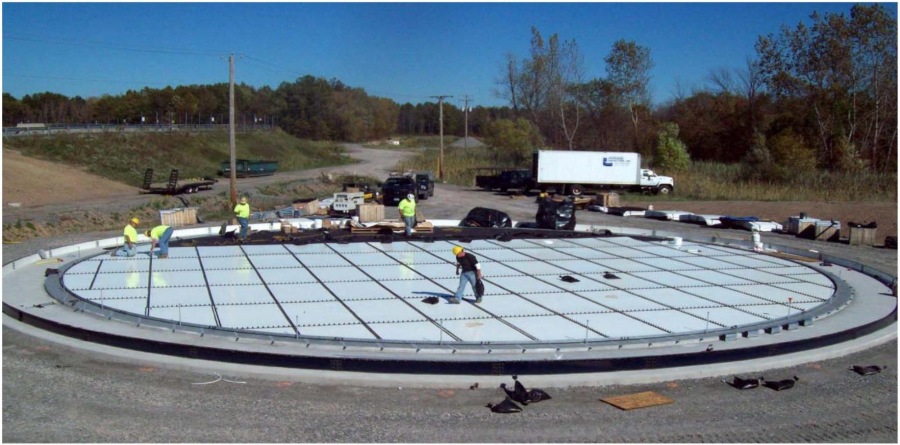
x=407 y=207
x=242 y=210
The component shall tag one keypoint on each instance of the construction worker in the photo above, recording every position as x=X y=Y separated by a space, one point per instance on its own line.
x=471 y=273
x=130 y=234
x=160 y=235
x=407 y=209
x=242 y=212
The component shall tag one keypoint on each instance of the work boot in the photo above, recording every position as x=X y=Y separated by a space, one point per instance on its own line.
x=478 y=300
x=454 y=301
x=163 y=255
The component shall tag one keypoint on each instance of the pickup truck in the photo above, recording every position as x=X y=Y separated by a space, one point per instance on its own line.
x=425 y=182
x=396 y=188
x=518 y=179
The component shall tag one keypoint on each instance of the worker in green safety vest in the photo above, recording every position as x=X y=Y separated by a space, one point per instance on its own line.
x=407 y=209
x=160 y=235
x=242 y=212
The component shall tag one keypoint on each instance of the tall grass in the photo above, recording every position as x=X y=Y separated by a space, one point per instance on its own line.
x=460 y=165
x=705 y=181
x=716 y=181
x=123 y=157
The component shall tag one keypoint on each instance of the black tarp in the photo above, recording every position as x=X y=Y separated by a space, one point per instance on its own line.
x=556 y=215
x=482 y=217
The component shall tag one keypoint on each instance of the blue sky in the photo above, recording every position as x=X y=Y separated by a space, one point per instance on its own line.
x=404 y=51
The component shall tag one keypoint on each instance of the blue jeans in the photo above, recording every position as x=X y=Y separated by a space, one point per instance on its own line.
x=244 y=225
x=164 y=241
x=126 y=251
x=410 y=222
x=465 y=277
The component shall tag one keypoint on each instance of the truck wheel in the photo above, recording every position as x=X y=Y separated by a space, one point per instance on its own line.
x=664 y=190
x=576 y=190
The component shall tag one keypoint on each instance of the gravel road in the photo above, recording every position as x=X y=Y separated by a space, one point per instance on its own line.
x=53 y=394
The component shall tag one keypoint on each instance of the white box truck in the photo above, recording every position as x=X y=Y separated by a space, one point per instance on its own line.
x=576 y=172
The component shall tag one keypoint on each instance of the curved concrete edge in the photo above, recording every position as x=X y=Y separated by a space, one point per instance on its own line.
x=745 y=368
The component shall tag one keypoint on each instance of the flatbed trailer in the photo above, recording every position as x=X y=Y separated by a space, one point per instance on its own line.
x=174 y=186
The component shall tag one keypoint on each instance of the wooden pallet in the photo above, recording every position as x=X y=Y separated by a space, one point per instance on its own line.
x=422 y=227
x=637 y=400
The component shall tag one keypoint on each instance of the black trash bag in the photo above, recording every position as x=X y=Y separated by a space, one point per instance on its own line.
x=871 y=225
x=482 y=217
x=51 y=271
x=479 y=288
x=507 y=406
x=569 y=279
x=431 y=300
x=780 y=384
x=519 y=394
x=610 y=276
x=867 y=370
x=556 y=215
x=536 y=395
x=890 y=242
x=740 y=383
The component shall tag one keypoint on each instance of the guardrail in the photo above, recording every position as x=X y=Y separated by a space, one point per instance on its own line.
x=113 y=128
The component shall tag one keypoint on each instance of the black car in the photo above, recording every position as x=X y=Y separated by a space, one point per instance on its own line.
x=425 y=185
x=396 y=188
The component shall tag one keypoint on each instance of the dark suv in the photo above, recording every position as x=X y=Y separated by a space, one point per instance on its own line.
x=425 y=183
x=396 y=188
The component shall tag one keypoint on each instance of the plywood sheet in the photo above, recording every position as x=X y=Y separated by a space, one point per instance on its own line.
x=637 y=400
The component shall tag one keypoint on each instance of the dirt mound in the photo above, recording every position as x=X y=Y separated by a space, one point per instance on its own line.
x=34 y=182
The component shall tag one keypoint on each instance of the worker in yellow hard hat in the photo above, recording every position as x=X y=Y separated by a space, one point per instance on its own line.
x=130 y=234
x=471 y=273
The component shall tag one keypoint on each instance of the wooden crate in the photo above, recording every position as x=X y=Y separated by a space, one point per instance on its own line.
x=828 y=231
x=607 y=199
x=178 y=217
x=334 y=223
x=370 y=213
x=862 y=236
x=307 y=206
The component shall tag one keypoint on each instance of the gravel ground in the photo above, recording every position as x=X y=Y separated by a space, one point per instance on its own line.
x=53 y=394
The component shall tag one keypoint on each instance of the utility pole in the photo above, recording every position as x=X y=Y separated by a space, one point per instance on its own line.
x=466 y=109
x=231 y=143
x=441 y=158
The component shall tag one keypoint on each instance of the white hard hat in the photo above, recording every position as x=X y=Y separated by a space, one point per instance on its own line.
x=410 y=197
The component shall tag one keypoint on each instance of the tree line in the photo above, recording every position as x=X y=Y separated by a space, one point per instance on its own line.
x=822 y=96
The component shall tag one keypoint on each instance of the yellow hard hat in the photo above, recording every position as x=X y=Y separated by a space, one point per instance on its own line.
x=135 y=221
x=457 y=250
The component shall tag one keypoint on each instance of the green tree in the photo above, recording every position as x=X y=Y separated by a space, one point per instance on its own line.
x=757 y=162
x=545 y=87
x=844 y=72
x=513 y=140
x=628 y=66
x=671 y=153
x=791 y=155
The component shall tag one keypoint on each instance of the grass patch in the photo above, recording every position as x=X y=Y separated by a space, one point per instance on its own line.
x=123 y=157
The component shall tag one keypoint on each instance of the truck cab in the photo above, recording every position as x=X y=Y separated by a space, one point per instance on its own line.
x=396 y=188
x=650 y=181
